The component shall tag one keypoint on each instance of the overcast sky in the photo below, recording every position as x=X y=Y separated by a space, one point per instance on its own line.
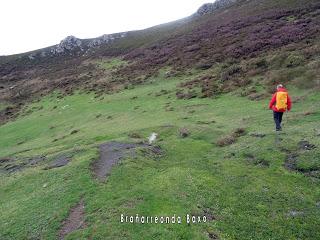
x=32 y=24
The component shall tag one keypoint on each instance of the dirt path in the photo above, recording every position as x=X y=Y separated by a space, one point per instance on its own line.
x=74 y=221
x=110 y=154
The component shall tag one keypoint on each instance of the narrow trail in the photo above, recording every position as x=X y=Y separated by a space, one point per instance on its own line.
x=110 y=154
x=74 y=221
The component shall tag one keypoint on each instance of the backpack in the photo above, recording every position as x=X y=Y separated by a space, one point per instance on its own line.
x=282 y=101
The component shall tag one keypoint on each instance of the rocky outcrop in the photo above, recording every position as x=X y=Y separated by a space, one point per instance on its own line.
x=75 y=46
x=106 y=38
x=68 y=44
x=71 y=43
x=211 y=7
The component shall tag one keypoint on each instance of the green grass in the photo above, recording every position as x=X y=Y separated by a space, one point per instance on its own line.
x=111 y=64
x=2 y=106
x=248 y=200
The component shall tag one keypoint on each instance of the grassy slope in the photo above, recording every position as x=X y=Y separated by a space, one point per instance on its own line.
x=248 y=201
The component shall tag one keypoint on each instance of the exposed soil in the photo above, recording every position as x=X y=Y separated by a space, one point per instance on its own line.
x=290 y=162
x=9 y=113
x=14 y=164
x=305 y=145
x=206 y=122
x=60 y=161
x=11 y=167
x=212 y=235
x=292 y=159
x=74 y=221
x=258 y=135
x=35 y=160
x=112 y=152
x=153 y=152
x=135 y=135
x=74 y=132
x=231 y=138
x=184 y=132
x=209 y=215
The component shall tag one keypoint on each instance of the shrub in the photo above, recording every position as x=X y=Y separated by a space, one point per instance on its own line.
x=239 y=132
x=285 y=75
x=232 y=138
x=261 y=63
x=294 y=60
x=247 y=91
x=180 y=94
x=309 y=79
x=230 y=71
x=184 y=132
x=135 y=135
x=225 y=141
x=277 y=60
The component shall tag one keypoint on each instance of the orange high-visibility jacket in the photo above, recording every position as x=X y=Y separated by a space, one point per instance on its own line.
x=273 y=102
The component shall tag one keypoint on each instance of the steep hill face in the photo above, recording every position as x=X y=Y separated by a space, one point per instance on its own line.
x=233 y=42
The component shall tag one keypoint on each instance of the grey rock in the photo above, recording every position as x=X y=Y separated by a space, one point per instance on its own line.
x=106 y=38
x=68 y=44
x=31 y=56
x=211 y=7
x=43 y=54
x=294 y=213
x=72 y=45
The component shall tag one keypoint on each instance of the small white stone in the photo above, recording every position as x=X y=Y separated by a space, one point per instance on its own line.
x=152 y=138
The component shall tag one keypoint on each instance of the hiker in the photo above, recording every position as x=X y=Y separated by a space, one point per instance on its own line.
x=280 y=103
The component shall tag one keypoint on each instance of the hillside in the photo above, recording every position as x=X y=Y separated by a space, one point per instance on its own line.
x=75 y=120
x=234 y=45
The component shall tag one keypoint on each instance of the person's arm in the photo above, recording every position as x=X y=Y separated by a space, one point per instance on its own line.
x=273 y=100
x=289 y=103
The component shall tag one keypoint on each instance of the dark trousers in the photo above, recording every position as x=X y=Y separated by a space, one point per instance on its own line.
x=277 y=116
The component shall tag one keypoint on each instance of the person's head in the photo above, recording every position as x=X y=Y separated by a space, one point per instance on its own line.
x=279 y=86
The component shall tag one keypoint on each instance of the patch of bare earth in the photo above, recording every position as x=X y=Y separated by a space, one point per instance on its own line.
x=112 y=152
x=60 y=161
x=231 y=138
x=14 y=164
x=212 y=235
x=293 y=157
x=74 y=221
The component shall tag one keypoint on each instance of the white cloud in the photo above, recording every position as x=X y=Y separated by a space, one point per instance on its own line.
x=33 y=24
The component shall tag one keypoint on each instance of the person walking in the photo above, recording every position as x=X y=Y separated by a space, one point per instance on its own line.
x=280 y=103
